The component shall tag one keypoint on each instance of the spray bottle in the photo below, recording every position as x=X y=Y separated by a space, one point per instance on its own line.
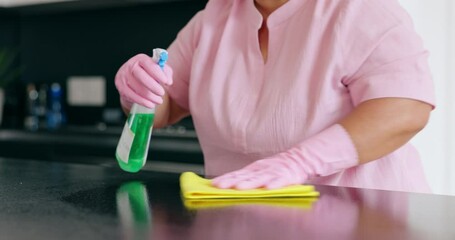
x=132 y=149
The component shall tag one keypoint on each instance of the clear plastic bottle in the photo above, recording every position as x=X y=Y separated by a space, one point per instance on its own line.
x=134 y=143
x=132 y=149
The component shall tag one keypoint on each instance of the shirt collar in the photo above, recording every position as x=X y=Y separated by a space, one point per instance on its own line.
x=277 y=17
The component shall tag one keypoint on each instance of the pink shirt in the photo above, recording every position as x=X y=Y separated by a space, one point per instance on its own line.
x=324 y=58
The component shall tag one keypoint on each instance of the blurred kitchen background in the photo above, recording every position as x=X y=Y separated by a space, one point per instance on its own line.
x=64 y=106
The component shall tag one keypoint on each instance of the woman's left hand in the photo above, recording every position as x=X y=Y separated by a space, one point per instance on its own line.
x=327 y=152
x=269 y=173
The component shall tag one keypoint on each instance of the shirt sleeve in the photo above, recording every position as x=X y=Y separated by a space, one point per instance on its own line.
x=180 y=59
x=383 y=55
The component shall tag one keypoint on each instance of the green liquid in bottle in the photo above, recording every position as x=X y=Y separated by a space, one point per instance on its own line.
x=140 y=127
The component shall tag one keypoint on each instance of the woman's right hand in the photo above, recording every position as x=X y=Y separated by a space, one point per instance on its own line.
x=140 y=81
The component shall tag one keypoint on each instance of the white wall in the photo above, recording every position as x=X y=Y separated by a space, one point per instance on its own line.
x=435 y=22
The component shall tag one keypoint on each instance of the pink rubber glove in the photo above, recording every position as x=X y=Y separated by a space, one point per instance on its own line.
x=325 y=153
x=139 y=81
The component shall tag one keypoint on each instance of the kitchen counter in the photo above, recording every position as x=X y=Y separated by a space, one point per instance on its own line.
x=61 y=200
x=169 y=150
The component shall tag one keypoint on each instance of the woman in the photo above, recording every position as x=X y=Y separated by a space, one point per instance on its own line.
x=287 y=92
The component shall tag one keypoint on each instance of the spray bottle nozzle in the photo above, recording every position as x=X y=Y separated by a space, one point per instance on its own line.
x=160 y=56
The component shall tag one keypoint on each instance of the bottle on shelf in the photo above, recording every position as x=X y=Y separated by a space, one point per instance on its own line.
x=54 y=113
x=31 y=119
x=42 y=105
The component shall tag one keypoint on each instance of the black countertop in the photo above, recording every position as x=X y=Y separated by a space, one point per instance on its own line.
x=56 y=200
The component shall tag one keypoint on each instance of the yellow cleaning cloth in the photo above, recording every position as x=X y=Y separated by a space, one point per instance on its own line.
x=300 y=203
x=196 y=187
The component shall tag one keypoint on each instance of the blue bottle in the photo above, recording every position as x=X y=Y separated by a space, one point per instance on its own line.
x=55 y=113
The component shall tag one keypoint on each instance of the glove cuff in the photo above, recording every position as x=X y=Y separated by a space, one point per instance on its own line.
x=326 y=153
